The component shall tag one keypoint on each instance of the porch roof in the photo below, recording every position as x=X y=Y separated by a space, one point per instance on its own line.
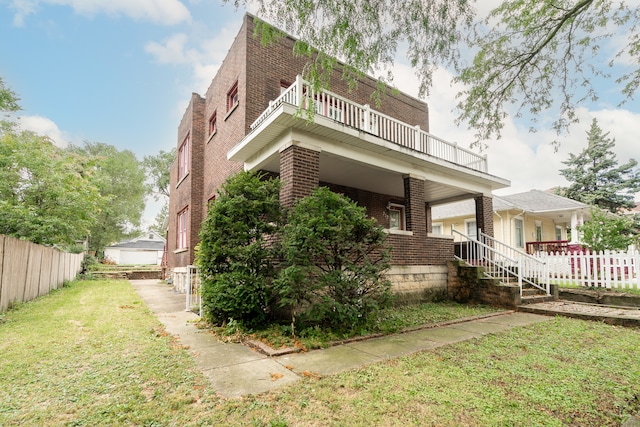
x=372 y=157
x=536 y=202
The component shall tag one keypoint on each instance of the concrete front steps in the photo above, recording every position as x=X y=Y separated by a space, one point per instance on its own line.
x=531 y=295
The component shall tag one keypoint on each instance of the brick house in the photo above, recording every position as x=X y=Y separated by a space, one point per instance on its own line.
x=382 y=157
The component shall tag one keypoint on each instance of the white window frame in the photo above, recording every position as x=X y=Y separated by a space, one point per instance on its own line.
x=435 y=225
x=467 y=223
x=400 y=209
x=539 y=231
x=519 y=232
x=558 y=232
x=184 y=154
x=182 y=235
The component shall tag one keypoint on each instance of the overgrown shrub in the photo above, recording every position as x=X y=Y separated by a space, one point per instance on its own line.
x=335 y=257
x=236 y=254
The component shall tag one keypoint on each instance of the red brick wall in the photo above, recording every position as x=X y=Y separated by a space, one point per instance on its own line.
x=259 y=71
x=181 y=192
x=299 y=172
x=484 y=214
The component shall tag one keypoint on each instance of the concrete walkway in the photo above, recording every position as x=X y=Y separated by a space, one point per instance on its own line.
x=236 y=370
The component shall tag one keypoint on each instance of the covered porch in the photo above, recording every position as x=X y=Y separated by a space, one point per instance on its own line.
x=397 y=171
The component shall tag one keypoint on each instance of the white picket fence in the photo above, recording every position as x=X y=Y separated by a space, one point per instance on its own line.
x=607 y=269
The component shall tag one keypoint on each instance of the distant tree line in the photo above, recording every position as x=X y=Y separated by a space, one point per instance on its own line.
x=62 y=197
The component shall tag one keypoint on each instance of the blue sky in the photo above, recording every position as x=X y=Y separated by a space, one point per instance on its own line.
x=122 y=71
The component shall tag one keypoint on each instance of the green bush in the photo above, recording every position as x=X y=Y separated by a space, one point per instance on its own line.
x=606 y=231
x=236 y=254
x=334 y=260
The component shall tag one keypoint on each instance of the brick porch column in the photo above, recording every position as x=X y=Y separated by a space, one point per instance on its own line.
x=484 y=214
x=415 y=209
x=299 y=172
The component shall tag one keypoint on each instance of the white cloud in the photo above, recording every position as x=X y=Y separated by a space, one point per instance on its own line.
x=44 y=126
x=202 y=54
x=164 y=12
x=528 y=160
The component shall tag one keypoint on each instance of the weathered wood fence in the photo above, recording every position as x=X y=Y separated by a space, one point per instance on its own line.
x=28 y=270
x=608 y=269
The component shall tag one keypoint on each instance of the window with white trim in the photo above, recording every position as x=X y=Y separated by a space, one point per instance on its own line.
x=558 y=232
x=182 y=226
x=471 y=228
x=396 y=217
x=519 y=226
x=538 y=231
x=437 y=228
x=183 y=158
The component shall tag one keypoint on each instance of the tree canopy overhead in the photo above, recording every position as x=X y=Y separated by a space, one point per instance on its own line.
x=528 y=55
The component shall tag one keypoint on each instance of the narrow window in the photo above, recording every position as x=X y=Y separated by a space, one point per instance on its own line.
x=558 y=232
x=213 y=125
x=396 y=217
x=538 y=231
x=183 y=219
x=232 y=96
x=183 y=158
x=471 y=228
x=519 y=225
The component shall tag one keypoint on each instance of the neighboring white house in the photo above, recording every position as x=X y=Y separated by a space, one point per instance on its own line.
x=518 y=219
x=143 y=250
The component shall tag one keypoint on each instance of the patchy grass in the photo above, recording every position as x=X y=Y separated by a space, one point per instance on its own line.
x=387 y=321
x=92 y=354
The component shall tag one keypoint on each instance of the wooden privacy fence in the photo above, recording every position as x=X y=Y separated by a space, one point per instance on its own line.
x=28 y=270
x=607 y=269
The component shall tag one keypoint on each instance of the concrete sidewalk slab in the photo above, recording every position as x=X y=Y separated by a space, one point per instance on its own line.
x=327 y=361
x=255 y=377
x=236 y=370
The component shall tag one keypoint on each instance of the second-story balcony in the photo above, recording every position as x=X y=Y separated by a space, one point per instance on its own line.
x=361 y=147
x=366 y=119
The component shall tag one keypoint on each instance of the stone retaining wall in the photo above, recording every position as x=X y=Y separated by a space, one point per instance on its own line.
x=418 y=283
x=466 y=285
x=604 y=297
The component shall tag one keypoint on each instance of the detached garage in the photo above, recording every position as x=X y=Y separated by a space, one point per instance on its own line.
x=144 y=250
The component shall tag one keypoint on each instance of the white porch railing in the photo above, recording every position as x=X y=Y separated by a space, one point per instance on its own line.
x=503 y=262
x=608 y=269
x=362 y=117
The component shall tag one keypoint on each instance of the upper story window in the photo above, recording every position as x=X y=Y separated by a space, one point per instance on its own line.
x=183 y=158
x=213 y=123
x=232 y=97
x=284 y=86
x=183 y=221
x=396 y=217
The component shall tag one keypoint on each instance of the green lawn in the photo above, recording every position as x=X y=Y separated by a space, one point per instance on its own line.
x=92 y=354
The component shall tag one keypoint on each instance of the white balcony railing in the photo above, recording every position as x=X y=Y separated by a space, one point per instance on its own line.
x=362 y=117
